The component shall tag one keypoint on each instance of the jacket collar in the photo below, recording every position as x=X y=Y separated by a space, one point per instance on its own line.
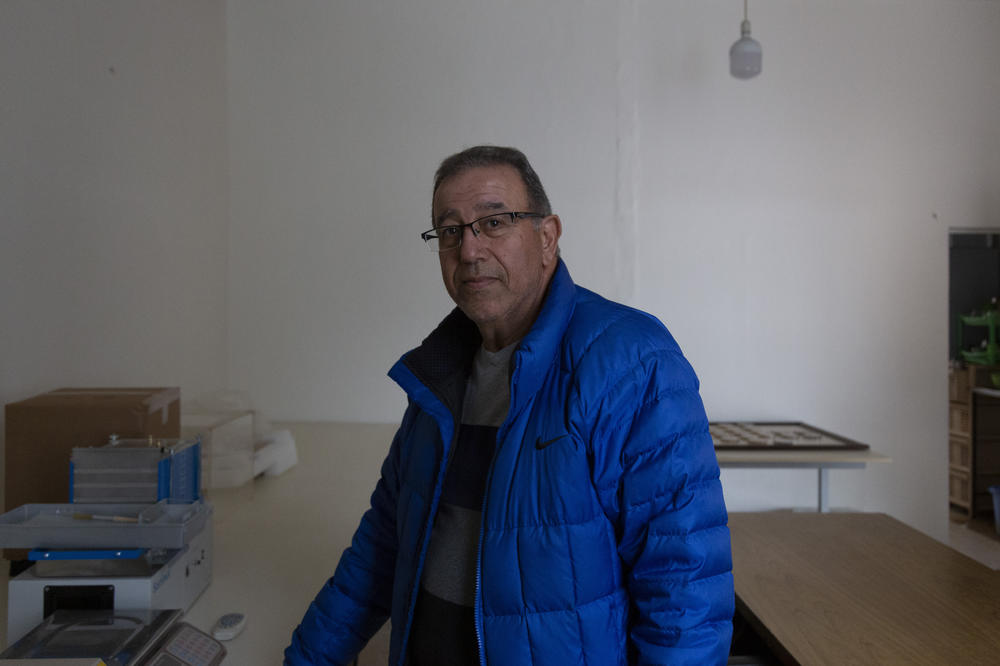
x=441 y=363
x=539 y=349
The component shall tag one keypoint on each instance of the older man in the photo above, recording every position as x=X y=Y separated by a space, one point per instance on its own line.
x=552 y=494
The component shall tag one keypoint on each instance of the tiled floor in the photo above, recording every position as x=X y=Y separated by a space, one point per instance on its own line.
x=977 y=541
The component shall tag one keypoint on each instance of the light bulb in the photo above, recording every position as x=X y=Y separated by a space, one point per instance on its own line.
x=745 y=54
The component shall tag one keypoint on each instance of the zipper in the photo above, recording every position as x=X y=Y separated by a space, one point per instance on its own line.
x=477 y=600
x=477 y=614
x=501 y=436
x=428 y=528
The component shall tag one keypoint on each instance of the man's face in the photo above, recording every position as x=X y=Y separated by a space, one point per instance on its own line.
x=498 y=283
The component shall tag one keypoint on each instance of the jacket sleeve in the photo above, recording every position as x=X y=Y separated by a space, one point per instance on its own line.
x=355 y=602
x=660 y=485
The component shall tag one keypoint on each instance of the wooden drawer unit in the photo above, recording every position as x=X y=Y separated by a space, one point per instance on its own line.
x=960 y=419
x=960 y=452
x=959 y=490
x=973 y=437
x=958 y=386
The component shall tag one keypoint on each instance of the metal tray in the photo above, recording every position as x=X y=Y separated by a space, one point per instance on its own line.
x=159 y=525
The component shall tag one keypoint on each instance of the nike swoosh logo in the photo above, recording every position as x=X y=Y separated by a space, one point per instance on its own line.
x=541 y=445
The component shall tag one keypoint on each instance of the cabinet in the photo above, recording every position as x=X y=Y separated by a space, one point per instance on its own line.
x=961 y=379
x=973 y=438
x=985 y=470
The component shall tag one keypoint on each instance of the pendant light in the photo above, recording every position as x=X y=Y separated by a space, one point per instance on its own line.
x=745 y=54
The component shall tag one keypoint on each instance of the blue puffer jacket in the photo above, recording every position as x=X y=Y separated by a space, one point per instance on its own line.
x=604 y=537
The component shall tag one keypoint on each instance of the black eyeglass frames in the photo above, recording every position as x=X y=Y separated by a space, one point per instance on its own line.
x=494 y=225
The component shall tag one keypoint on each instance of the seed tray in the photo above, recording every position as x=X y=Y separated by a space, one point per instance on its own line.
x=159 y=525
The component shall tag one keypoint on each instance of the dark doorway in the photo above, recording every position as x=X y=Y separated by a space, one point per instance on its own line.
x=973 y=284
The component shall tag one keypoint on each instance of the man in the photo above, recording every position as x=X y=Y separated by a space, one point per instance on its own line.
x=552 y=494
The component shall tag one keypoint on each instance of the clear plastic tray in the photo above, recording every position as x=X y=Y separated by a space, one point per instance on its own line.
x=159 y=525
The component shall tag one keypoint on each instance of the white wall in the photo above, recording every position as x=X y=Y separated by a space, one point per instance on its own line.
x=795 y=226
x=113 y=195
x=790 y=230
x=340 y=112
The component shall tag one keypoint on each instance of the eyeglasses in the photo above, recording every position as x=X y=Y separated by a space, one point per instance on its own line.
x=495 y=225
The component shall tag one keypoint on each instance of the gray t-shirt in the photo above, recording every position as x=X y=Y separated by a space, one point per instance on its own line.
x=443 y=626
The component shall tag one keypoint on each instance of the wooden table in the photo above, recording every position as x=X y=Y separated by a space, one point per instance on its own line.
x=861 y=588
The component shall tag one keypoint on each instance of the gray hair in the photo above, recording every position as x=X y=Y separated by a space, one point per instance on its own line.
x=487 y=156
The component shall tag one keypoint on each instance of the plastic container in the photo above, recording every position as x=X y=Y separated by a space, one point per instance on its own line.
x=136 y=470
x=995 y=491
x=159 y=525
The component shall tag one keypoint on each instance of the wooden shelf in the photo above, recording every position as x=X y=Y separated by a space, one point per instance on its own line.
x=973 y=438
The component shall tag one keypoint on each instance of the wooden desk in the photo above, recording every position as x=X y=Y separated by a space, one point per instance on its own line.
x=861 y=588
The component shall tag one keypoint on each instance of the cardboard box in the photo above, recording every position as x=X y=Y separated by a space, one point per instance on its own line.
x=42 y=431
x=227 y=446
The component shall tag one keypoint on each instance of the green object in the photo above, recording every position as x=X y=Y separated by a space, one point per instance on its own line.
x=991 y=353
